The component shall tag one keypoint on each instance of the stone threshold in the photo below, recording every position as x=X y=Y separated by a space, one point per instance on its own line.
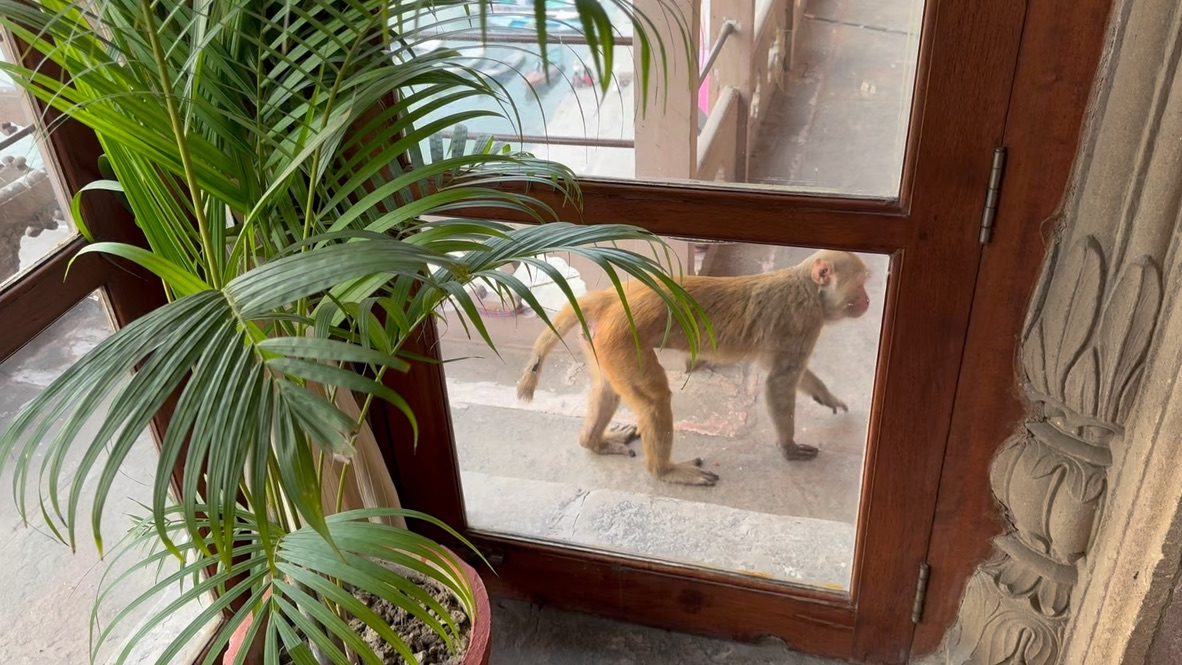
x=798 y=550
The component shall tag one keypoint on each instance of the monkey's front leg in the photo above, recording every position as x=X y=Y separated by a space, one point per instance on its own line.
x=815 y=388
x=782 y=383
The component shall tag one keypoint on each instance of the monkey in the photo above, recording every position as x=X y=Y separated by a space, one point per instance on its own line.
x=773 y=318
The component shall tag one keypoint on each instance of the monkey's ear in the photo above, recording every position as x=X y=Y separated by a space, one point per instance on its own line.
x=822 y=272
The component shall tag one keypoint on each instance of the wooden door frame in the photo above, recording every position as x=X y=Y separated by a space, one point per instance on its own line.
x=1052 y=73
x=936 y=257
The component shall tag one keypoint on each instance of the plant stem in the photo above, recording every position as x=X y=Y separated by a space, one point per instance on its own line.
x=178 y=130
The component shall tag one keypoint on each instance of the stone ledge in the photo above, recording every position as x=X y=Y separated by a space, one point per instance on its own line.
x=793 y=549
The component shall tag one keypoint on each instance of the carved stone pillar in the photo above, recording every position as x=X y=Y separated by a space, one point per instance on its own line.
x=1085 y=347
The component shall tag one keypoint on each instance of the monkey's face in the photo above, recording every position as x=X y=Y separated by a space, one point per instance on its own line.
x=842 y=278
x=859 y=301
x=847 y=297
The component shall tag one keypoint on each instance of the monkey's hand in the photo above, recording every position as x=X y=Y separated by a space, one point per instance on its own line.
x=830 y=400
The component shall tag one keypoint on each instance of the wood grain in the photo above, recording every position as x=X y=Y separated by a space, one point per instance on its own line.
x=964 y=108
x=660 y=596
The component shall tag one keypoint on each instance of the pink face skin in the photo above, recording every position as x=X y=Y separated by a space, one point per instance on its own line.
x=860 y=302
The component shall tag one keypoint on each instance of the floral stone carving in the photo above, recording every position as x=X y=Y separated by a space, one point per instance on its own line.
x=1083 y=351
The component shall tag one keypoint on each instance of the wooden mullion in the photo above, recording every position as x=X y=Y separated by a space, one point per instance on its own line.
x=38 y=298
x=733 y=215
x=659 y=595
x=968 y=53
x=425 y=473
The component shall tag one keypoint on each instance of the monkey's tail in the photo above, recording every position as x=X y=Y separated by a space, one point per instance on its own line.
x=563 y=321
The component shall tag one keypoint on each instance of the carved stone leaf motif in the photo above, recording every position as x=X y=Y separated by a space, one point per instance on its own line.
x=1015 y=638
x=1063 y=332
x=1083 y=352
x=1004 y=464
x=1125 y=333
x=1018 y=580
x=1088 y=354
x=1050 y=496
x=1084 y=481
x=1009 y=635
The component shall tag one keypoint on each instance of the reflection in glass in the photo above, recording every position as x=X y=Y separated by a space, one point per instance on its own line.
x=33 y=223
x=524 y=472
x=46 y=601
x=811 y=96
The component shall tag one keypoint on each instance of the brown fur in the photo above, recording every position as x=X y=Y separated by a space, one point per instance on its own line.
x=773 y=318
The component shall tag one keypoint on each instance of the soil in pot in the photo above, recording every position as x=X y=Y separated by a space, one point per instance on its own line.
x=428 y=647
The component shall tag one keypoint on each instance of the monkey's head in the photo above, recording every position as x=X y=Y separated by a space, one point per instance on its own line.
x=842 y=278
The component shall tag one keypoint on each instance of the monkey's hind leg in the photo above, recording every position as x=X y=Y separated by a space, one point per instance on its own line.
x=646 y=389
x=601 y=406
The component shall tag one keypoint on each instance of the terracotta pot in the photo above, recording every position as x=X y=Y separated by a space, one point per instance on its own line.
x=479 y=639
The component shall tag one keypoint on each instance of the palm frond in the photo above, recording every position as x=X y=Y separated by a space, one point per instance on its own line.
x=283 y=594
x=285 y=164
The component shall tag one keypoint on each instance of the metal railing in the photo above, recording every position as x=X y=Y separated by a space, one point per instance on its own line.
x=728 y=28
x=502 y=36
x=550 y=140
x=19 y=134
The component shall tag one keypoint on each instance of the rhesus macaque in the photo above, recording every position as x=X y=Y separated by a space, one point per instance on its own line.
x=774 y=318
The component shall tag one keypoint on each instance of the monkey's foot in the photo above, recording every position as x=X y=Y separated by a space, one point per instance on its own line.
x=688 y=473
x=798 y=451
x=616 y=440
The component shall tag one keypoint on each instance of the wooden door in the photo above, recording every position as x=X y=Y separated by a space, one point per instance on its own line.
x=930 y=237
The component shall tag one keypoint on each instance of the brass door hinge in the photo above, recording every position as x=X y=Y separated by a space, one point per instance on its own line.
x=992 y=194
x=921 y=592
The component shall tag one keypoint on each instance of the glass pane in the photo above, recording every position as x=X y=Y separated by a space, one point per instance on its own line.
x=525 y=474
x=46 y=602
x=809 y=96
x=33 y=217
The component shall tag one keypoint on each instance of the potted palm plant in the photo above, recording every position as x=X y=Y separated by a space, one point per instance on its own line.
x=282 y=160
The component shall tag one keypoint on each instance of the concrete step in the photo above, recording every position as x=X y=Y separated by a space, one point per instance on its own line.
x=800 y=550
x=543 y=445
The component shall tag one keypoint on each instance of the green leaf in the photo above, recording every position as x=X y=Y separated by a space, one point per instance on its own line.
x=328 y=349
x=184 y=282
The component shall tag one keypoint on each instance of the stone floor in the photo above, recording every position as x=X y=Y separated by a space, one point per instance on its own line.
x=844 y=115
x=525 y=634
